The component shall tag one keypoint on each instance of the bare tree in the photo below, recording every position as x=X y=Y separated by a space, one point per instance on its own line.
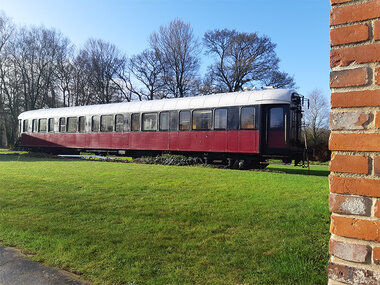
x=6 y=31
x=317 y=123
x=242 y=59
x=102 y=65
x=148 y=70
x=178 y=52
x=279 y=79
x=36 y=53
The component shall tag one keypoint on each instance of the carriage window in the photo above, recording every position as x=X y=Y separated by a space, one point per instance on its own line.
x=184 y=120
x=42 y=124
x=106 y=123
x=72 y=125
x=173 y=121
x=25 y=126
x=247 y=119
x=220 y=120
x=19 y=126
x=202 y=119
x=95 y=124
x=82 y=124
x=119 y=123
x=34 y=126
x=51 y=125
x=164 y=121
x=135 y=122
x=150 y=122
x=276 y=118
x=62 y=125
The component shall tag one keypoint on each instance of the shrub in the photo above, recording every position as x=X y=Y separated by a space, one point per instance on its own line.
x=169 y=159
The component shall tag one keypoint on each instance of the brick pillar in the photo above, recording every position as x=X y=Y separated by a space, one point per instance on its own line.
x=355 y=142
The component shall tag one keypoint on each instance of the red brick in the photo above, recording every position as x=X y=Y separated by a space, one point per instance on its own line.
x=333 y=2
x=357 y=54
x=350 y=34
x=377 y=120
x=352 y=275
x=350 y=205
x=350 y=251
x=356 y=99
x=349 y=77
x=377 y=75
x=377 y=209
x=355 y=142
x=355 y=228
x=376 y=30
x=349 y=163
x=355 y=13
x=355 y=186
x=348 y=120
x=376 y=255
x=376 y=165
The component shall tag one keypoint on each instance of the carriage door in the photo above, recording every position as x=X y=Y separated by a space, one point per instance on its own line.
x=275 y=119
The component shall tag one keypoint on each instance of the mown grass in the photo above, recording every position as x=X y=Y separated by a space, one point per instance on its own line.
x=117 y=223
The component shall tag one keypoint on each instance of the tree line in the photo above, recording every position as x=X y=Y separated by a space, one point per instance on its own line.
x=42 y=68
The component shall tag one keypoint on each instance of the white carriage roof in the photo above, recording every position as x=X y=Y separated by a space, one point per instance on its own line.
x=255 y=97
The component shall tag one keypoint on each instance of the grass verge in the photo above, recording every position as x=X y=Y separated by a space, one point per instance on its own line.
x=147 y=224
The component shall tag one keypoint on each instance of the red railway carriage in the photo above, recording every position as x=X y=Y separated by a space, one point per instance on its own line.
x=242 y=129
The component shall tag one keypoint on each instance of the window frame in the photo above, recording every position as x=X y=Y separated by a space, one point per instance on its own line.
x=79 y=128
x=35 y=126
x=176 y=114
x=179 y=120
x=226 y=122
x=111 y=125
x=93 y=130
x=254 y=118
x=138 y=115
x=270 y=118
x=62 y=119
x=168 y=121
x=39 y=125
x=50 y=129
x=68 y=119
x=142 y=121
x=25 y=126
x=201 y=129
x=116 y=124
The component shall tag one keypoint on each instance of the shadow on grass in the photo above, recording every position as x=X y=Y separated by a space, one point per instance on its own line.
x=314 y=171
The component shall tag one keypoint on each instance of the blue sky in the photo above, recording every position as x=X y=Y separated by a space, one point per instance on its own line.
x=300 y=28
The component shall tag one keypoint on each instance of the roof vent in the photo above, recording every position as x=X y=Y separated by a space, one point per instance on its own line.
x=246 y=89
x=267 y=87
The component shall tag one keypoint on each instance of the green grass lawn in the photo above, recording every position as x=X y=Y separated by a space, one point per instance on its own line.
x=126 y=223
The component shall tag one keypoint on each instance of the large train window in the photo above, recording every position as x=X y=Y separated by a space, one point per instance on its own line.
x=119 y=123
x=42 y=125
x=220 y=119
x=95 y=123
x=72 y=124
x=51 y=125
x=62 y=125
x=82 y=124
x=149 y=122
x=202 y=119
x=184 y=120
x=106 y=123
x=25 y=126
x=34 y=126
x=276 y=118
x=135 y=122
x=173 y=121
x=247 y=118
x=164 y=121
